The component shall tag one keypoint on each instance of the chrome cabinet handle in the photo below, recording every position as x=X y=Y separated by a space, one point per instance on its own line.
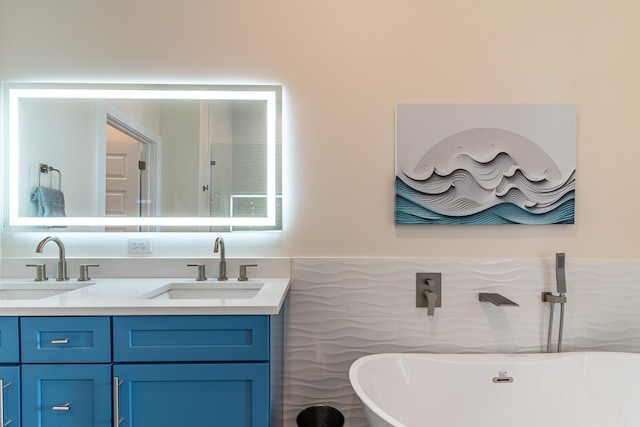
x=2 y=401
x=62 y=341
x=64 y=407
x=116 y=413
x=3 y=385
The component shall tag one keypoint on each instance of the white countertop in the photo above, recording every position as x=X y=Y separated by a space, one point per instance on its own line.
x=128 y=296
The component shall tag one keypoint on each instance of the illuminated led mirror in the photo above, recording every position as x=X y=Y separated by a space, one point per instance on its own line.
x=141 y=158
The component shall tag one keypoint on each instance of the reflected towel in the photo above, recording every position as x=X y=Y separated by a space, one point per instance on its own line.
x=48 y=201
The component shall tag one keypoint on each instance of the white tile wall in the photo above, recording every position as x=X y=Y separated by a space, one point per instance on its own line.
x=342 y=309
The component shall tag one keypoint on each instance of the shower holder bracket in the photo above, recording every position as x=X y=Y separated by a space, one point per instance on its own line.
x=553 y=299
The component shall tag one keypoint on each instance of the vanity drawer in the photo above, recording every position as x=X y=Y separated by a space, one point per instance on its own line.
x=9 y=340
x=65 y=339
x=190 y=338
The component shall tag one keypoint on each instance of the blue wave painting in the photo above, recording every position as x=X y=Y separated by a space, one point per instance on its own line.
x=409 y=210
x=484 y=176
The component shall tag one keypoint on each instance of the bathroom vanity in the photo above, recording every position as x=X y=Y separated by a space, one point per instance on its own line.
x=120 y=352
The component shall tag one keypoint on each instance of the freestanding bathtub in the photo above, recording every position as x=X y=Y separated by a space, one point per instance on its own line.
x=591 y=389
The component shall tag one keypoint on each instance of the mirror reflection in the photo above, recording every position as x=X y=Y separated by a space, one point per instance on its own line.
x=150 y=159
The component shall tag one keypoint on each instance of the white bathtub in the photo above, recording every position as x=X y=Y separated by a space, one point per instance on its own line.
x=593 y=389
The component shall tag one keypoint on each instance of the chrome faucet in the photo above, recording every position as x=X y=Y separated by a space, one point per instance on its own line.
x=62 y=262
x=222 y=265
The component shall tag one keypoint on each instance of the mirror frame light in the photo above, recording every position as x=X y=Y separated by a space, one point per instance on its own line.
x=15 y=94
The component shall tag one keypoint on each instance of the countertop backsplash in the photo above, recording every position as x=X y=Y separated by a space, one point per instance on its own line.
x=138 y=267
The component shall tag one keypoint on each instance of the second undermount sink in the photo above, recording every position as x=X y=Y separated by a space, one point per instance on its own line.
x=32 y=290
x=199 y=290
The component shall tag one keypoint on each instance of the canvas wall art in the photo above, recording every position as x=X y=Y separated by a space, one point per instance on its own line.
x=485 y=164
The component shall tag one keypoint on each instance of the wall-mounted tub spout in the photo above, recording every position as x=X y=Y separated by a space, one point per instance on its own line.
x=496 y=299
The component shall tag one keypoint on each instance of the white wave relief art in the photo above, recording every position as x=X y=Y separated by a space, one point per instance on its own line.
x=483 y=175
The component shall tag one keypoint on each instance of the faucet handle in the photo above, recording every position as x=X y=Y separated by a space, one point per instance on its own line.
x=84 y=272
x=41 y=272
x=431 y=297
x=243 y=272
x=201 y=271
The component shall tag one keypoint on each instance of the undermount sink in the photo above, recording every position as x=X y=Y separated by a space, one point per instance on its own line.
x=195 y=290
x=31 y=290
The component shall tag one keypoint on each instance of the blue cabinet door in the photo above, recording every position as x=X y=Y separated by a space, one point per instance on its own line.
x=193 y=395
x=10 y=395
x=9 y=340
x=66 y=395
x=190 y=338
x=84 y=339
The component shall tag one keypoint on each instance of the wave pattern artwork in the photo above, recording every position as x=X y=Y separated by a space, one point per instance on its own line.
x=484 y=176
x=411 y=210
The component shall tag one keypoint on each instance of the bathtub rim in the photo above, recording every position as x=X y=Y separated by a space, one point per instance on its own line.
x=453 y=358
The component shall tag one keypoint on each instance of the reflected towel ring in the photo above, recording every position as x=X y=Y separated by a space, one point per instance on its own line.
x=45 y=169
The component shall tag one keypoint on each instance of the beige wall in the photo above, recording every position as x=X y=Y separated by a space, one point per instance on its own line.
x=344 y=64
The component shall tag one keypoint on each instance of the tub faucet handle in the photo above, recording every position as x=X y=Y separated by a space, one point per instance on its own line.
x=431 y=297
x=429 y=291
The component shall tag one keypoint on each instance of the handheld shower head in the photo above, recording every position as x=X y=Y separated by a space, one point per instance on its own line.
x=560 y=276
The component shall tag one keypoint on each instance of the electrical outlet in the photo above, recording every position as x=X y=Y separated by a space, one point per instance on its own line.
x=139 y=244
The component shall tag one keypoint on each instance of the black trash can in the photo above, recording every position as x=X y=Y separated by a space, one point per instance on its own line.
x=320 y=416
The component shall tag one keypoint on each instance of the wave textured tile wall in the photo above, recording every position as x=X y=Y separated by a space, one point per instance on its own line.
x=342 y=309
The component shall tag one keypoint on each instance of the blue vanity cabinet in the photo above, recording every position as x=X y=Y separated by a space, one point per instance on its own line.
x=66 y=395
x=66 y=371
x=9 y=340
x=141 y=371
x=9 y=372
x=197 y=371
x=193 y=394
x=83 y=339
x=10 y=395
x=190 y=338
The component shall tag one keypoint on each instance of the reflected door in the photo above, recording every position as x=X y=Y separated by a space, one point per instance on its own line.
x=123 y=178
